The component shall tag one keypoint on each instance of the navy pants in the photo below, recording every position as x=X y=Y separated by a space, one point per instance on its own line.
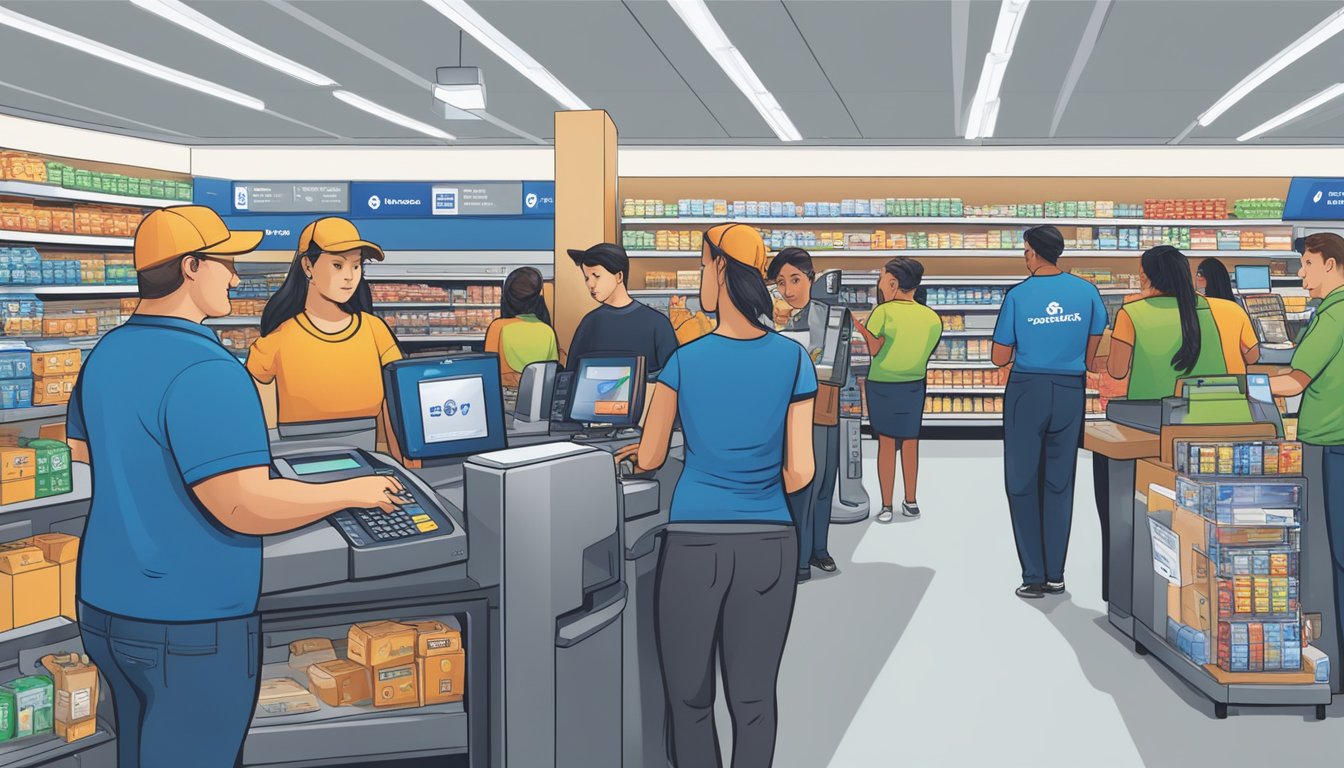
x=811 y=506
x=183 y=694
x=1042 y=425
x=1333 y=461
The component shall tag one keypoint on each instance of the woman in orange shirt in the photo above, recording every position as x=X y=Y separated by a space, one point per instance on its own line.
x=320 y=342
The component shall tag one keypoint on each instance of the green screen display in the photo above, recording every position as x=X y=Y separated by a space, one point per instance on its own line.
x=319 y=467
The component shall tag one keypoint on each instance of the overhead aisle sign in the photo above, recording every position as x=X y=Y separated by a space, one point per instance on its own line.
x=1315 y=199
x=379 y=200
x=290 y=197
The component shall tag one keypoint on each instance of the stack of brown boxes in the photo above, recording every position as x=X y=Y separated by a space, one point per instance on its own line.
x=391 y=664
x=56 y=371
x=18 y=472
x=30 y=586
x=440 y=661
x=386 y=650
x=62 y=551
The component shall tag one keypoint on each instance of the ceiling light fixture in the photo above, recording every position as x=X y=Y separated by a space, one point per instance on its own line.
x=459 y=87
x=707 y=30
x=83 y=44
x=984 y=113
x=1331 y=26
x=194 y=21
x=377 y=110
x=471 y=22
x=1329 y=94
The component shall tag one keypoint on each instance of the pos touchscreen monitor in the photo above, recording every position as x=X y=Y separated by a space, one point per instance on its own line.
x=445 y=407
x=607 y=389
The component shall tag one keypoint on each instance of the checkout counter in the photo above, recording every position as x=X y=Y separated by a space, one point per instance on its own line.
x=1135 y=448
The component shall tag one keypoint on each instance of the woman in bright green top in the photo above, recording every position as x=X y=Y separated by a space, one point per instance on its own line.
x=1168 y=334
x=901 y=335
x=522 y=335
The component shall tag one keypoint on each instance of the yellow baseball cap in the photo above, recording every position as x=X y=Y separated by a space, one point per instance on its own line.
x=168 y=233
x=742 y=244
x=336 y=235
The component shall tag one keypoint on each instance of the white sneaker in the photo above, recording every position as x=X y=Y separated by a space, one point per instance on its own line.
x=909 y=510
x=885 y=516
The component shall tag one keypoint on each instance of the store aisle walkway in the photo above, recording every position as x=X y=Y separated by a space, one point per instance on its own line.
x=918 y=654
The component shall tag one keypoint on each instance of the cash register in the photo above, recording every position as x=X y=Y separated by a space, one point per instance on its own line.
x=1202 y=400
x=601 y=399
x=1255 y=293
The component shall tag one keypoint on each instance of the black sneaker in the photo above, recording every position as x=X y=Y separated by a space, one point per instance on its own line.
x=1031 y=591
x=804 y=575
x=909 y=510
x=1054 y=587
x=826 y=563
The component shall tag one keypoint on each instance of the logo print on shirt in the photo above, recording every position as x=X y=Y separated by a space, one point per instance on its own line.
x=1054 y=309
x=1054 y=313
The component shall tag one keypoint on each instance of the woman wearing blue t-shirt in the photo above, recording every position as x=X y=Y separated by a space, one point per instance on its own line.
x=726 y=572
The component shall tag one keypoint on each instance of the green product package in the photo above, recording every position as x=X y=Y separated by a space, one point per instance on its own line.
x=33 y=703
x=53 y=456
x=53 y=484
x=7 y=715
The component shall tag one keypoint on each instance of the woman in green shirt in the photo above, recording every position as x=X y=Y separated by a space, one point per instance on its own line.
x=901 y=335
x=522 y=335
x=1167 y=334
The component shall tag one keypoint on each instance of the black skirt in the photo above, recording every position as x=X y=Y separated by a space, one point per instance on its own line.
x=895 y=409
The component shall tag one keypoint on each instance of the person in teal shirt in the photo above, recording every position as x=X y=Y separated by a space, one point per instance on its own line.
x=1318 y=375
x=901 y=335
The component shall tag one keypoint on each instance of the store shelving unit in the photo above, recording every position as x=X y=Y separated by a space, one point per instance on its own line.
x=48 y=238
x=51 y=192
x=70 y=290
x=993 y=221
x=996 y=253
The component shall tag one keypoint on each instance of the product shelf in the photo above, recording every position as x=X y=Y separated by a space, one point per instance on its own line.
x=666 y=292
x=422 y=339
x=243 y=321
x=962 y=364
x=44 y=750
x=966 y=307
x=82 y=342
x=438 y=305
x=970 y=333
x=52 y=192
x=990 y=221
x=70 y=290
x=81 y=484
x=979 y=253
x=48 y=238
x=57 y=630
x=37 y=413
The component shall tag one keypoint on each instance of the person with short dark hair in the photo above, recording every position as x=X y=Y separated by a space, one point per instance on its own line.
x=901 y=335
x=620 y=324
x=1049 y=329
x=522 y=335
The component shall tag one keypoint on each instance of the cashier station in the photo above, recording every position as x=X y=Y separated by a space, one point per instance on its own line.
x=532 y=545
x=850 y=502
x=1277 y=334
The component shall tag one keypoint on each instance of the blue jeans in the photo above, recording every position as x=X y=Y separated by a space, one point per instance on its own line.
x=183 y=694
x=1333 y=482
x=811 y=506
x=1042 y=425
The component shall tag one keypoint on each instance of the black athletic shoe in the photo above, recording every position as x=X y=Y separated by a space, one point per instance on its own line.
x=826 y=563
x=804 y=575
x=1054 y=587
x=1031 y=591
x=909 y=510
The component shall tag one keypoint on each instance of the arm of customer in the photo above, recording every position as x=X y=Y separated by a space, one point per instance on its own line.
x=651 y=450
x=250 y=501
x=1122 y=346
x=1001 y=354
x=799 y=466
x=1093 y=344
x=873 y=341
x=1005 y=333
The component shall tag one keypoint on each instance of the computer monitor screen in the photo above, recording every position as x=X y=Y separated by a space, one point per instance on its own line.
x=607 y=389
x=446 y=407
x=1253 y=279
x=831 y=363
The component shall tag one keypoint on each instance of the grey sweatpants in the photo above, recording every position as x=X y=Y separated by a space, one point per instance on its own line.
x=730 y=593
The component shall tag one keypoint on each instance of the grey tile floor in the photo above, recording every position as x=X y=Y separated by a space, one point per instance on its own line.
x=917 y=653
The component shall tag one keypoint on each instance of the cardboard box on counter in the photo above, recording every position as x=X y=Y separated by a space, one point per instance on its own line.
x=381 y=643
x=340 y=683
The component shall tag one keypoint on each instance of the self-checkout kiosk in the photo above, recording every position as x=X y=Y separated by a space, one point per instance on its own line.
x=850 y=504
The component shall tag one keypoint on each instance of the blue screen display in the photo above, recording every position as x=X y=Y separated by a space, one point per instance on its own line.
x=446 y=407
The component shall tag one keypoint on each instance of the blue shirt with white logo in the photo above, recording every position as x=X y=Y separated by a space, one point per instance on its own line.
x=735 y=435
x=164 y=406
x=1049 y=319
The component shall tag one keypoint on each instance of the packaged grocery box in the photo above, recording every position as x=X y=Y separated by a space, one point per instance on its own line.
x=340 y=683
x=30 y=699
x=380 y=643
x=443 y=678
x=16 y=393
x=16 y=363
x=62 y=550
x=55 y=359
x=305 y=653
x=30 y=588
x=282 y=696
x=17 y=464
x=434 y=638
x=396 y=686
x=75 y=681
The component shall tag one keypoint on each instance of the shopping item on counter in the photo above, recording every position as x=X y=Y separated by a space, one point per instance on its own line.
x=1314 y=659
x=380 y=643
x=282 y=696
x=305 y=653
x=396 y=686
x=340 y=683
x=30 y=587
x=75 y=680
x=27 y=703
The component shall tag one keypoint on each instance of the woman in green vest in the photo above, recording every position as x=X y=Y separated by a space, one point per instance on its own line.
x=1167 y=334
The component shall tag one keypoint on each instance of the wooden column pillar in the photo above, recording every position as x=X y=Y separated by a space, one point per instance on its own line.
x=586 y=209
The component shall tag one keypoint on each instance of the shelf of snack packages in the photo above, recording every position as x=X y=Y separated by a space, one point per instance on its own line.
x=24 y=174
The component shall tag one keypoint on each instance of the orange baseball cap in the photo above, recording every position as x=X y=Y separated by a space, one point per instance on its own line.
x=336 y=235
x=168 y=233
x=742 y=244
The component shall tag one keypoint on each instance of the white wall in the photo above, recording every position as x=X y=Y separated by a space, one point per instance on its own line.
x=81 y=144
x=374 y=164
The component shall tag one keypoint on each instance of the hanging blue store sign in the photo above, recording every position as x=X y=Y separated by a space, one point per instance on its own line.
x=379 y=200
x=539 y=198
x=1315 y=199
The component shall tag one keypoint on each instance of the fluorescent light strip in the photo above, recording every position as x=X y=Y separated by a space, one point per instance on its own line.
x=707 y=30
x=193 y=21
x=377 y=110
x=1329 y=94
x=83 y=44
x=984 y=114
x=1331 y=26
x=471 y=22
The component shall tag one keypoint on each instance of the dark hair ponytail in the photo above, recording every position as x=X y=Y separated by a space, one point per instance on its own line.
x=747 y=292
x=522 y=295
x=289 y=300
x=1169 y=272
x=1217 y=283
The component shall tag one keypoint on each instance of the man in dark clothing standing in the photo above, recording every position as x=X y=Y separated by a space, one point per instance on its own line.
x=621 y=324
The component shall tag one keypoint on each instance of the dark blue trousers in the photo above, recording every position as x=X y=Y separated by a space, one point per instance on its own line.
x=183 y=694
x=1333 y=482
x=811 y=507
x=1043 y=418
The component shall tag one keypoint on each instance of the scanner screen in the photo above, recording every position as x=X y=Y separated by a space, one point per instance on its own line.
x=321 y=467
x=453 y=409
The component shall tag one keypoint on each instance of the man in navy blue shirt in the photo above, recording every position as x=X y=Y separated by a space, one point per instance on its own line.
x=1049 y=329
x=170 y=563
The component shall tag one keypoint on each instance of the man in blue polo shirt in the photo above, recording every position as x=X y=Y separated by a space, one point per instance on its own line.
x=1049 y=329
x=170 y=563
